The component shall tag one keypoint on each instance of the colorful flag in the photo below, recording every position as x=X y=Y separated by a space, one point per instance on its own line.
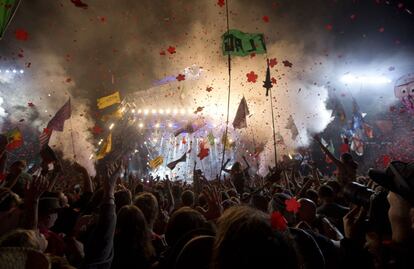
x=204 y=152
x=237 y=43
x=357 y=145
x=339 y=111
x=156 y=162
x=368 y=130
x=173 y=164
x=242 y=112
x=109 y=100
x=15 y=139
x=211 y=138
x=191 y=127
x=7 y=10
x=292 y=127
x=57 y=123
x=106 y=148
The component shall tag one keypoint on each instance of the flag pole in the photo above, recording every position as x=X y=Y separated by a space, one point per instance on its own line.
x=71 y=133
x=273 y=123
x=228 y=94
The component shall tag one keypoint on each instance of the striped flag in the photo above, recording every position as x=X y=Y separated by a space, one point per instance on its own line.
x=108 y=100
x=57 y=123
x=156 y=162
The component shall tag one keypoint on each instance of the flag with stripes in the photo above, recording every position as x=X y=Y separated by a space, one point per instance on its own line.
x=57 y=123
x=156 y=162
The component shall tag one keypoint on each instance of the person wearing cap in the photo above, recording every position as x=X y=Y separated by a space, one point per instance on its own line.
x=398 y=178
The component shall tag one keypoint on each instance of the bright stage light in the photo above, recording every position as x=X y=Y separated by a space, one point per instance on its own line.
x=175 y=111
x=161 y=111
x=141 y=125
x=154 y=140
x=14 y=71
x=189 y=111
x=7 y=71
x=168 y=111
x=154 y=112
x=139 y=111
x=21 y=71
x=349 y=79
x=157 y=125
x=182 y=111
x=111 y=126
x=133 y=110
x=170 y=125
x=146 y=111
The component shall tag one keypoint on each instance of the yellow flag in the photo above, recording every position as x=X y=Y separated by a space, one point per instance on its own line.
x=106 y=148
x=156 y=162
x=109 y=100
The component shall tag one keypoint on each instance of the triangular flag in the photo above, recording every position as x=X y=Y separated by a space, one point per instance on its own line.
x=242 y=112
x=292 y=127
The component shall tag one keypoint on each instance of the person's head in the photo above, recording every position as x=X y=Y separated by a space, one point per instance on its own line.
x=8 y=200
x=259 y=202
x=17 y=167
x=307 y=210
x=132 y=230
x=122 y=197
x=326 y=194
x=278 y=203
x=187 y=198
x=25 y=239
x=181 y=222
x=202 y=201
x=148 y=204
x=398 y=178
x=312 y=195
x=236 y=168
x=335 y=185
x=347 y=159
x=48 y=210
x=245 y=239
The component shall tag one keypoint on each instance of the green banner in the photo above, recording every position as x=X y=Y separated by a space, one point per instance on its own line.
x=7 y=10
x=238 y=43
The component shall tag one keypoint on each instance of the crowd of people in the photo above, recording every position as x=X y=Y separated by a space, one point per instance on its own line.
x=357 y=219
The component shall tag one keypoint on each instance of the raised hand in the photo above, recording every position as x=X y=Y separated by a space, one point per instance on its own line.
x=35 y=188
x=112 y=173
x=214 y=203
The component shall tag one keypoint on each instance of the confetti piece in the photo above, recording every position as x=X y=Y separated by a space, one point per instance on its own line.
x=329 y=27
x=209 y=89
x=220 y=3
x=292 y=205
x=21 y=35
x=251 y=77
x=272 y=62
x=80 y=4
x=171 y=50
x=180 y=77
x=287 y=63
x=265 y=19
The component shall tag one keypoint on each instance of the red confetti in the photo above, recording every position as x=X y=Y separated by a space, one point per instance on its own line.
x=251 y=77
x=209 y=89
x=162 y=53
x=30 y=104
x=252 y=55
x=265 y=19
x=21 y=35
x=329 y=27
x=278 y=221
x=272 y=62
x=352 y=17
x=171 y=50
x=287 y=63
x=102 y=18
x=184 y=141
x=79 y=3
x=274 y=81
x=220 y=3
x=97 y=130
x=381 y=29
x=68 y=80
x=180 y=77
x=292 y=205
x=386 y=160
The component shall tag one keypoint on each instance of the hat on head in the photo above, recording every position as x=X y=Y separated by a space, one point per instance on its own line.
x=398 y=178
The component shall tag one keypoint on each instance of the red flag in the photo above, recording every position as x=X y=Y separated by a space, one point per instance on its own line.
x=204 y=152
